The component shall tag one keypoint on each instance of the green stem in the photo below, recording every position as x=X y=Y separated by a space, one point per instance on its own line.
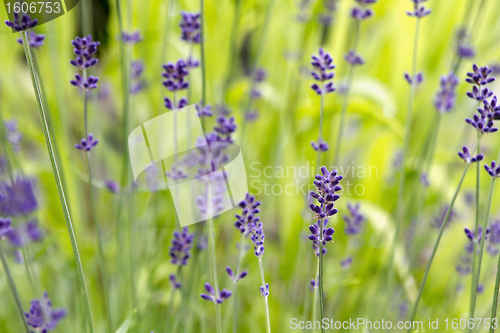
x=443 y=225
x=320 y=277
x=171 y=302
x=12 y=285
x=213 y=268
x=483 y=236
x=400 y=199
x=235 y=285
x=202 y=54
x=263 y=280
x=474 y=276
x=345 y=103
x=60 y=189
x=495 y=297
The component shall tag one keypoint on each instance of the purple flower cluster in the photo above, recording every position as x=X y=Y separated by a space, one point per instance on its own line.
x=354 y=59
x=483 y=122
x=446 y=96
x=493 y=170
x=112 y=186
x=354 y=221
x=264 y=290
x=20 y=25
x=330 y=7
x=257 y=237
x=19 y=198
x=323 y=72
x=361 y=12
x=204 y=111
x=327 y=184
x=85 y=50
x=418 y=9
x=346 y=263
x=466 y=156
x=181 y=247
x=87 y=144
x=463 y=48
x=35 y=40
x=247 y=219
x=480 y=77
x=175 y=75
x=42 y=317
x=419 y=78
x=321 y=145
x=173 y=282
x=210 y=296
x=132 y=37
x=190 y=27
x=259 y=76
x=25 y=233
x=235 y=277
x=169 y=104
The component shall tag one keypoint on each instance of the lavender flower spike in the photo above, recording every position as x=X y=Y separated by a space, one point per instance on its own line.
x=20 y=25
x=446 y=96
x=354 y=59
x=323 y=66
x=87 y=144
x=465 y=155
x=181 y=247
x=175 y=76
x=20 y=198
x=321 y=145
x=42 y=317
x=190 y=27
x=210 y=296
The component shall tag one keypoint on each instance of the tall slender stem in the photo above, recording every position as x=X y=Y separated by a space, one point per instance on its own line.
x=60 y=189
x=171 y=302
x=345 y=103
x=235 y=285
x=483 y=235
x=474 y=276
x=400 y=200
x=443 y=225
x=263 y=280
x=202 y=54
x=12 y=285
x=495 y=297
x=213 y=268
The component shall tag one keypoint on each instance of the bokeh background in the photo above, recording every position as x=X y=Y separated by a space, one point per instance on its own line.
x=136 y=240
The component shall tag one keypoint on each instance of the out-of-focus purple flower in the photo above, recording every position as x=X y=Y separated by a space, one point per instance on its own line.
x=257 y=237
x=84 y=49
x=346 y=263
x=42 y=317
x=192 y=63
x=248 y=218
x=13 y=135
x=210 y=296
x=225 y=126
x=89 y=83
x=418 y=9
x=136 y=71
x=424 y=179
x=20 y=25
x=323 y=72
x=87 y=144
x=494 y=238
x=354 y=221
x=419 y=78
x=190 y=27
x=302 y=10
x=329 y=9
x=173 y=282
x=437 y=221
x=112 y=186
x=181 y=247
x=5 y=226
x=177 y=172
x=35 y=40
x=321 y=146
x=202 y=243
x=132 y=37
x=463 y=48
x=264 y=290
x=465 y=155
x=25 y=233
x=205 y=111
x=476 y=239
x=493 y=170
x=19 y=198
x=359 y=13
x=354 y=59
x=446 y=95
x=175 y=75
x=235 y=277
x=259 y=76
